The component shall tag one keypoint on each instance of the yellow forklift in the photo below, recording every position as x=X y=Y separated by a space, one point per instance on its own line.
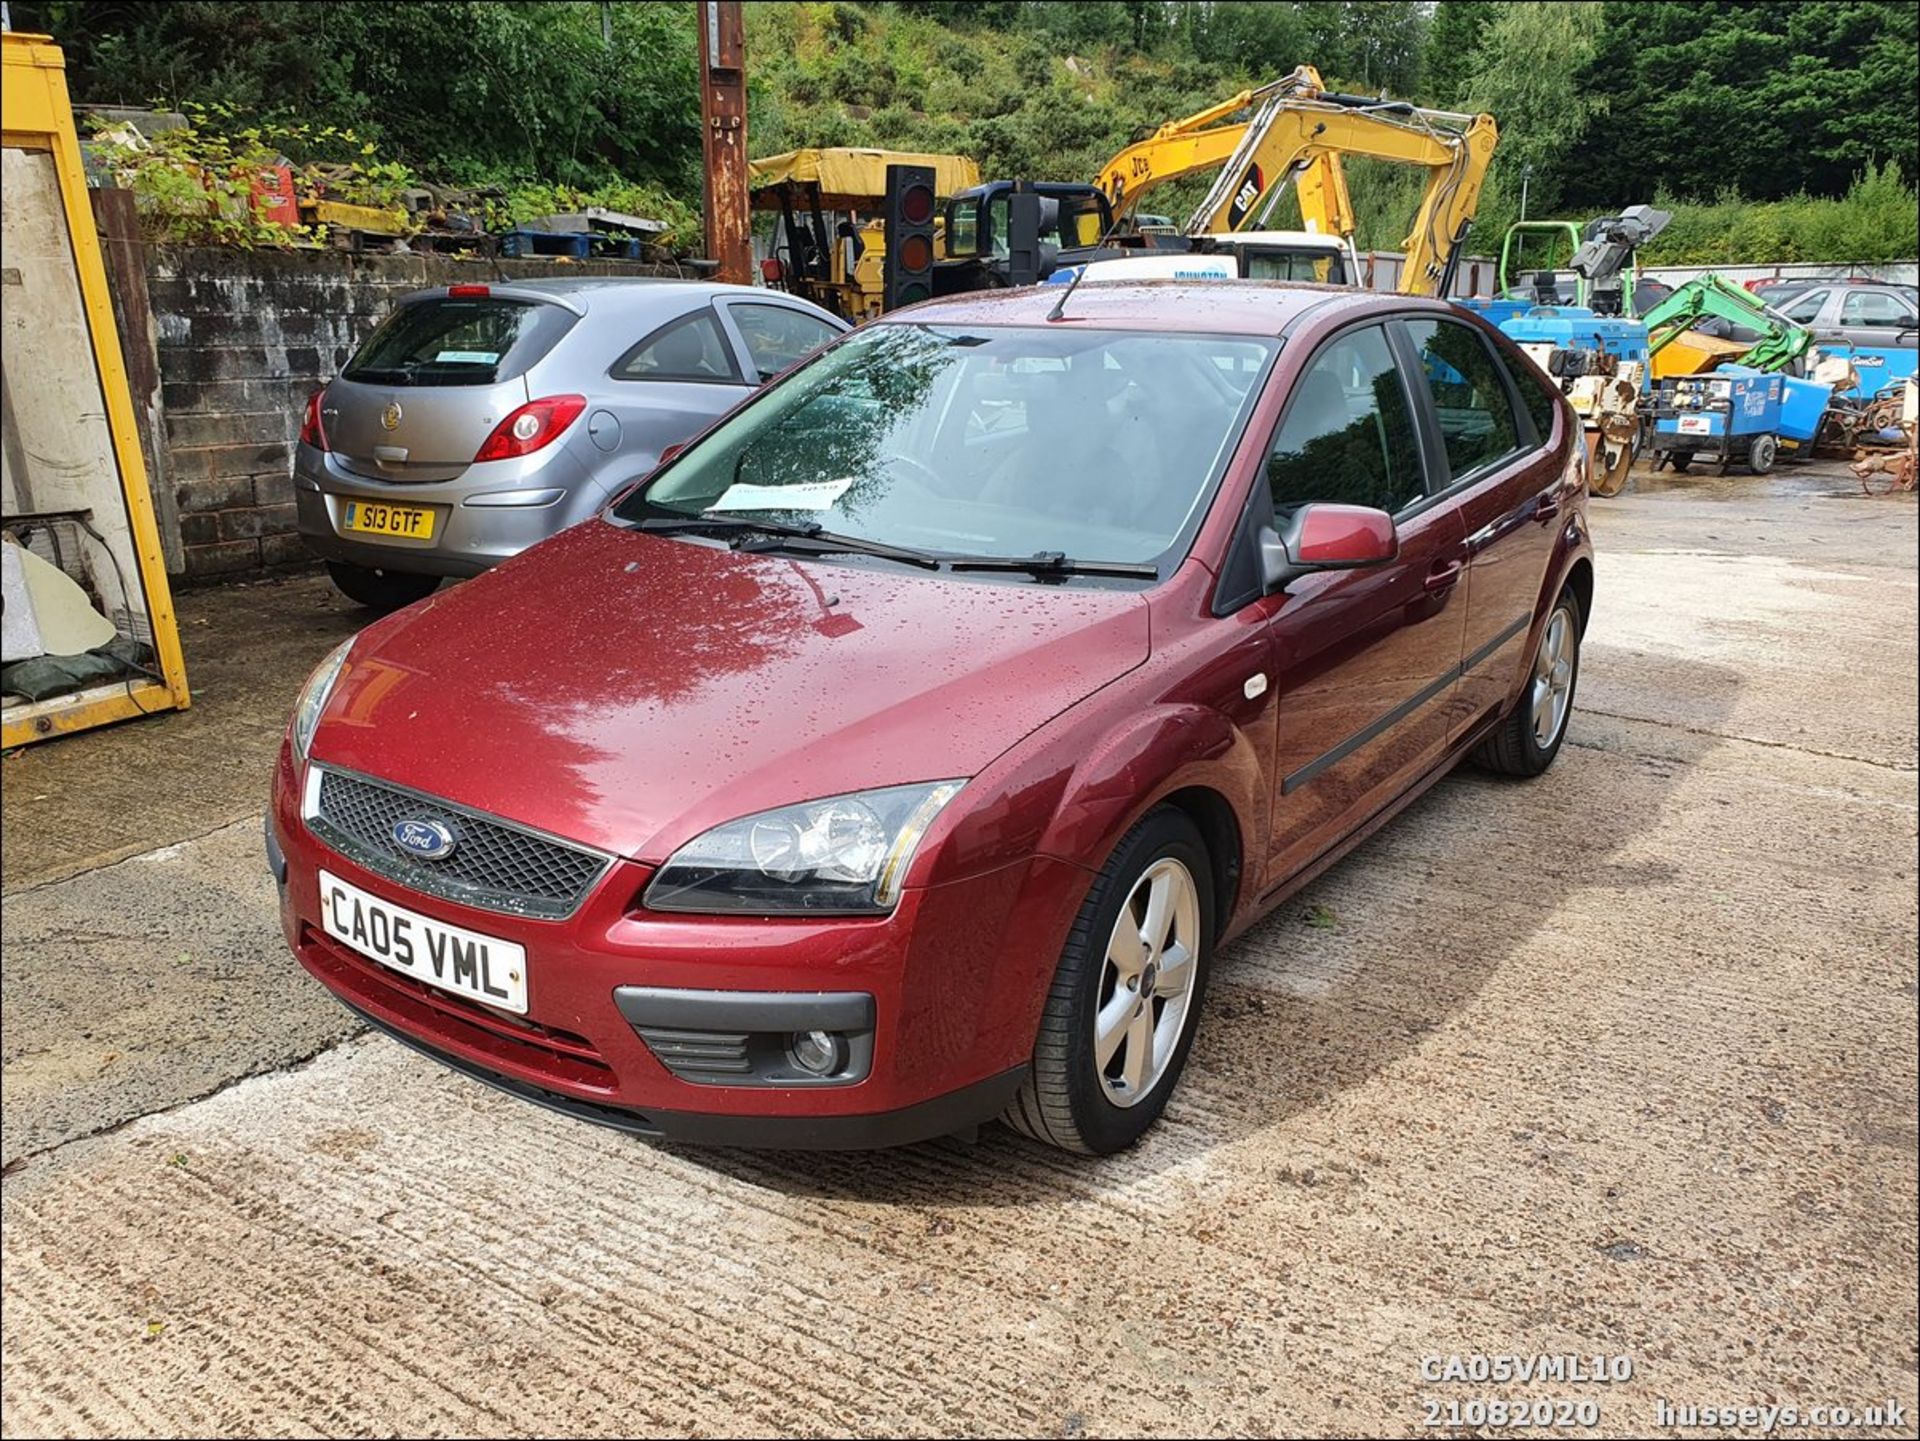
x=829 y=244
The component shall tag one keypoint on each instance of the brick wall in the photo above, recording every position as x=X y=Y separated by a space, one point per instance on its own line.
x=242 y=339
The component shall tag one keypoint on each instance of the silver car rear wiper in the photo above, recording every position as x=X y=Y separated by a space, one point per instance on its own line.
x=1047 y=564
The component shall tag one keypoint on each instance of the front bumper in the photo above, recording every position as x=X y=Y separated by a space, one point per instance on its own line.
x=946 y=1115
x=946 y=1004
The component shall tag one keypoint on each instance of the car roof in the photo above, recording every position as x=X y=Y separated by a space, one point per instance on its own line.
x=617 y=292
x=1226 y=307
x=1317 y=239
x=1843 y=282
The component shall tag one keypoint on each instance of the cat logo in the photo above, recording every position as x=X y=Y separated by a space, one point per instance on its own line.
x=1252 y=186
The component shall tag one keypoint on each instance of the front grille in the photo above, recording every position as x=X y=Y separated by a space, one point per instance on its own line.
x=494 y=864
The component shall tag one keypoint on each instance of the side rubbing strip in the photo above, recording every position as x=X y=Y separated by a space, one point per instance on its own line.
x=1400 y=712
x=1493 y=645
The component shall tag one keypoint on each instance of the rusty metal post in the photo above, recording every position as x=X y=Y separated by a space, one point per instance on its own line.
x=723 y=118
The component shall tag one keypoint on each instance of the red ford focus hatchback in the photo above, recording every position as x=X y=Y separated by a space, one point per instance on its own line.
x=901 y=754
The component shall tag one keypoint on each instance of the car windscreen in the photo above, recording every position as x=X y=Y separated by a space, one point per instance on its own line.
x=984 y=441
x=1321 y=266
x=459 y=341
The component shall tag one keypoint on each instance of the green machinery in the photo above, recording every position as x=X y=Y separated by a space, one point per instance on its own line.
x=1677 y=349
x=1599 y=258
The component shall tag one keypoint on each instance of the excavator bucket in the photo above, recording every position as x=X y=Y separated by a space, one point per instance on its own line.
x=1693 y=351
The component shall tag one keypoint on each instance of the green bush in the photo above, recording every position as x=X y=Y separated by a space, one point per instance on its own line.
x=1877 y=220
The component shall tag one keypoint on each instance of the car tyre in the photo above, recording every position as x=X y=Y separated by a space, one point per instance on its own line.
x=381 y=590
x=1530 y=736
x=1760 y=455
x=1073 y=1098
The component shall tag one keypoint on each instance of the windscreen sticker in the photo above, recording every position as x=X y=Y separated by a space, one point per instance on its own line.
x=809 y=495
x=467 y=357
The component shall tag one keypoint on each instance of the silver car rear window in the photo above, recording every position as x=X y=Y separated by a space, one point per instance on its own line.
x=459 y=341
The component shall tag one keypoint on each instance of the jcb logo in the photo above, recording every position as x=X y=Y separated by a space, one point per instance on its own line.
x=1252 y=186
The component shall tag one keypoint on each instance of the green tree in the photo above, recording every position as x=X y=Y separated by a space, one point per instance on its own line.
x=1254 y=36
x=1528 y=73
x=1770 y=98
x=1453 y=39
x=463 y=89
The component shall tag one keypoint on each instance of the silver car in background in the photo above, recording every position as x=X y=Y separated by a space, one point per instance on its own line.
x=478 y=419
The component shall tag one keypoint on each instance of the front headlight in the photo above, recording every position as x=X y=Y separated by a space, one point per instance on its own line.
x=313 y=697
x=839 y=856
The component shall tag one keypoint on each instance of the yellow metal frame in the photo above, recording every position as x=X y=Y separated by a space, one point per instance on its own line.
x=36 y=114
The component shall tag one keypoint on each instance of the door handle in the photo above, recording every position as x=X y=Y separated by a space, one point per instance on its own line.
x=1443 y=575
x=1546 y=506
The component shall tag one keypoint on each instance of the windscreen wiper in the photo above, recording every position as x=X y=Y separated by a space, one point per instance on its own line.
x=725 y=524
x=1049 y=564
x=827 y=542
x=764 y=535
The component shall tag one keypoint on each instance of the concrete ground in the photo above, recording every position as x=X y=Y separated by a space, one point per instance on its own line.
x=73 y=806
x=1621 y=1061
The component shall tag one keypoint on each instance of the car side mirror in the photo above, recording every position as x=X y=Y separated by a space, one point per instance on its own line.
x=1325 y=537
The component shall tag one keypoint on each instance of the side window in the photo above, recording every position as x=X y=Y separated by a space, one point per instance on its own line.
x=1348 y=433
x=1877 y=308
x=690 y=348
x=1470 y=396
x=1539 y=394
x=777 y=336
x=1806 y=308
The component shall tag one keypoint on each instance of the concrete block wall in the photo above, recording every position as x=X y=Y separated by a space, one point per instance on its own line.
x=243 y=338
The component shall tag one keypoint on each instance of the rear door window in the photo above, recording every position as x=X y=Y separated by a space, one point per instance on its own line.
x=1876 y=308
x=778 y=335
x=449 y=341
x=1470 y=396
x=690 y=348
x=1348 y=435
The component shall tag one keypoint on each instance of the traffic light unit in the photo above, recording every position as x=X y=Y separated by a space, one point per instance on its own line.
x=907 y=274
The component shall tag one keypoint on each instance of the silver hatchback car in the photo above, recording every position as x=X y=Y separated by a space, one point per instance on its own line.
x=478 y=419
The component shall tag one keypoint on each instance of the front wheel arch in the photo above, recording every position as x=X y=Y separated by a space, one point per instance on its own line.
x=1580 y=581
x=1213 y=814
x=1187 y=756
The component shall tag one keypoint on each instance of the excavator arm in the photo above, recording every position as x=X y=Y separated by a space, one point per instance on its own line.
x=1780 y=341
x=1187 y=146
x=1310 y=138
x=1297 y=128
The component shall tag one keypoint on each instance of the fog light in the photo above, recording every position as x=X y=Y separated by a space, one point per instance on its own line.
x=818 y=1053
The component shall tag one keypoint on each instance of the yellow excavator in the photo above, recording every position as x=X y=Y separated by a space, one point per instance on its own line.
x=1298 y=128
x=1295 y=129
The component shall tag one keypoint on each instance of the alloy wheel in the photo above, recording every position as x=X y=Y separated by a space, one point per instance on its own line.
x=1553 y=679
x=1146 y=985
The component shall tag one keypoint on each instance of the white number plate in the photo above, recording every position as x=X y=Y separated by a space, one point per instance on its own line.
x=481 y=968
x=1696 y=425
